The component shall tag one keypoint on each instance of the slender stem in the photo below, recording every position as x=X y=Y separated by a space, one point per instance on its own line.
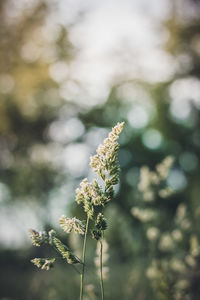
x=83 y=260
x=101 y=268
x=76 y=269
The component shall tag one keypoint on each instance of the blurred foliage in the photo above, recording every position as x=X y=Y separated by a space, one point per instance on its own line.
x=31 y=167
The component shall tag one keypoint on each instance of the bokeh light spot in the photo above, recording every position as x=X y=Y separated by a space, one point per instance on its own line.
x=76 y=158
x=138 y=117
x=6 y=83
x=59 y=71
x=188 y=161
x=152 y=139
x=132 y=176
x=177 y=180
x=66 y=131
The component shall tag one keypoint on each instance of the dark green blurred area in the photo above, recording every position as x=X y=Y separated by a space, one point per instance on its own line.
x=36 y=186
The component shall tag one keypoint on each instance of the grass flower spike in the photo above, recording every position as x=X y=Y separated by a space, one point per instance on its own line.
x=38 y=238
x=43 y=263
x=72 y=224
x=64 y=251
x=105 y=162
x=93 y=198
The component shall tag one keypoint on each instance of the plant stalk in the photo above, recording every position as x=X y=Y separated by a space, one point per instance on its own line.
x=101 y=268
x=83 y=259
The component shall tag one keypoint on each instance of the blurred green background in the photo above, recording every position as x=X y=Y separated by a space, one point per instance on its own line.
x=69 y=71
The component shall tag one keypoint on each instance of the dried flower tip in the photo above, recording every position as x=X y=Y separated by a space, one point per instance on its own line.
x=43 y=263
x=101 y=223
x=114 y=134
x=38 y=238
x=105 y=163
x=69 y=224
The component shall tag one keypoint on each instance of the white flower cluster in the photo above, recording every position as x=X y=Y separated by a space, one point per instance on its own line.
x=149 y=180
x=38 y=238
x=105 y=161
x=166 y=242
x=152 y=233
x=164 y=167
x=72 y=224
x=181 y=218
x=43 y=263
x=89 y=192
x=144 y=215
x=93 y=198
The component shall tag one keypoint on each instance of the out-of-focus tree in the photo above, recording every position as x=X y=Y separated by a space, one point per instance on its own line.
x=30 y=55
x=29 y=99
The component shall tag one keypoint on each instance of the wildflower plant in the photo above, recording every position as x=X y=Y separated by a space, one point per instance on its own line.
x=153 y=185
x=152 y=182
x=173 y=245
x=93 y=198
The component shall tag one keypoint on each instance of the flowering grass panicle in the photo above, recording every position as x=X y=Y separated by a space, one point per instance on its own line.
x=72 y=224
x=93 y=198
x=38 y=238
x=101 y=223
x=50 y=238
x=154 y=181
x=64 y=251
x=90 y=195
x=105 y=162
x=164 y=167
x=43 y=263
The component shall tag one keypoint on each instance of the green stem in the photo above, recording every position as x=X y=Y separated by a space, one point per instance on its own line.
x=101 y=269
x=83 y=260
